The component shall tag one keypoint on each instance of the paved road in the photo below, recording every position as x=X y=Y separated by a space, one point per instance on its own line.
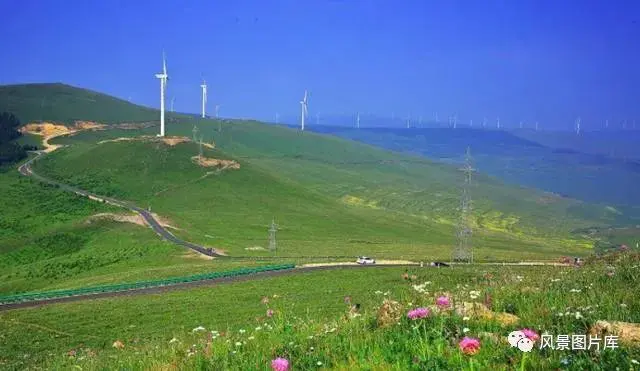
x=26 y=170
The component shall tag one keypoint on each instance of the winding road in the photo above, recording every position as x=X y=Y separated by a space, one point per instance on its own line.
x=26 y=170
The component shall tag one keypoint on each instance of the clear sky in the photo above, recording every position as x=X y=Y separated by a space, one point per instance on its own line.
x=520 y=60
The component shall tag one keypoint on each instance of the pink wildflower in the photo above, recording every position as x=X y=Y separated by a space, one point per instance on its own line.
x=530 y=334
x=624 y=247
x=443 y=301
x=269 y=312
x=405 y=276
x=280 y=364
x=469 y=346
x=418 y=313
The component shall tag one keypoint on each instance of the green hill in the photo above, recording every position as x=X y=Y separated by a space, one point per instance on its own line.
x=64 y=103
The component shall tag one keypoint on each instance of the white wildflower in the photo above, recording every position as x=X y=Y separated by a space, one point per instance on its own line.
x=465 y=330
x=242 y=331
x=258 y=328
x=575 y=290
x=199 y=328
x=465 y=318
x=635 y=362
x=578 y=315
x=319 y=363
x=250 y=338
x=174 y=340
x=378 y=292
x=238 y=343
x=623 y=305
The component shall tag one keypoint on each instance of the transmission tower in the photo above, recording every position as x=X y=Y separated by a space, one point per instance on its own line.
x=195 y=131
x=462 y=251
x=272 y=236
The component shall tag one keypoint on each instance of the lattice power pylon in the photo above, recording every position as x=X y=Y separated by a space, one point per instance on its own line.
x=272 y=236
x=462 y=251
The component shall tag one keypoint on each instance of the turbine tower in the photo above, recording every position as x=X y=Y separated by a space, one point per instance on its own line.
x=498 y=122
x=358 y=121
x=578 y=126
x=462 y=251
x=163 y=77
x=304 y=110
x=204 y=97
x=217 y=109
x=277 y=118
x=172 y=100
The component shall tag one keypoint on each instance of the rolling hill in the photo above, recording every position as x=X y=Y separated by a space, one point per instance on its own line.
x=330 y=196
x=585 y=176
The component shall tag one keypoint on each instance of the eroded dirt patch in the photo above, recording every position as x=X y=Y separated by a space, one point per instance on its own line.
x=124 y=218
x=214 y=162
x=171 y=141
x=50 y=130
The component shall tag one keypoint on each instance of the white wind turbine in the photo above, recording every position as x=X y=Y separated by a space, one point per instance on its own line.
x=204 y=97
x=304 y=110
x=163 y=77
x=172 y=100
x=358 y=121
x=578 y=120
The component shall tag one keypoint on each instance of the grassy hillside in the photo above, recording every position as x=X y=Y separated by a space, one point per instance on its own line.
x=583 y=176
x=48 y=240
x=330 y=196
x=63 y=103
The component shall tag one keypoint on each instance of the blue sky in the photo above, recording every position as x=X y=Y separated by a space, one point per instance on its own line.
x=542 y=60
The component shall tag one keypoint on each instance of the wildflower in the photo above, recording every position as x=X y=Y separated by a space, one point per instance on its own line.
x=199 y=328
x=238 y=343
x=635 y=362
x=519 y=278
x=118 y=344
x=443 y=301
x=469 y=346
x=174 y=340
x=310 y=337
x=405 y=276
x=280 y=364
x=465 y=330
x=530 y=334
x=265 y=300
x=378 y=292
x=242 y=331
x=258 y=328
x=250 y=338
x=465 y=318
x=347 y=299
x=579 y=315
x=575 y=290
x=413 y=277
x=72 y=353
x=418 y=313
x=610 y=273
x=269 y=312
x=319 y=363
x=474 y=294
x=555 y=280
x=623 y=305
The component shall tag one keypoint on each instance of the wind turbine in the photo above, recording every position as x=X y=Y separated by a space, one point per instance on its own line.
x=217 y=108
x=317 y=118
x=172 y=100
x=498 y=122
x=277 y=117
x=163 y=86
x=304 y=110
x=578 y=126
x=606 y=124
x=471 y=123
x=358 y=121
x=408 y=121
x=204 y=97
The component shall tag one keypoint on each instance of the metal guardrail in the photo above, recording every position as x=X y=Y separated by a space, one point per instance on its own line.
x=26 y=297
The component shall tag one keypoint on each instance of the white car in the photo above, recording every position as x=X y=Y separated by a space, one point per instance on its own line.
x=364 y=260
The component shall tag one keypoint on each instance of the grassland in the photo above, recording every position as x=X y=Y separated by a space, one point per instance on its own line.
x=311 y=325
x=48 y=241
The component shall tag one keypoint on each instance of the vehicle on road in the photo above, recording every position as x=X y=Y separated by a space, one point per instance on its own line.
x=363 y=260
